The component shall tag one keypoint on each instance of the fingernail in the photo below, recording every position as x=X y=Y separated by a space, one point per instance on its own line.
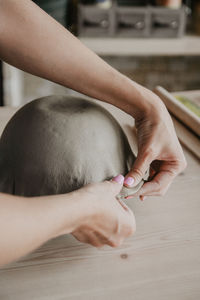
x=119 y=179
x=129 y=181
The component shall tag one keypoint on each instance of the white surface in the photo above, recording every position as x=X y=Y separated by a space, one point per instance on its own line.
x=13 y=85
x=188 y=45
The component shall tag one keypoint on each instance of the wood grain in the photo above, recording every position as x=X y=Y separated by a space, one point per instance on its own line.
x=162 y=261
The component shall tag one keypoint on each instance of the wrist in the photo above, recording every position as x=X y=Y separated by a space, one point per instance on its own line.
x=135 y=99
x=57 y=214
x=74 y=211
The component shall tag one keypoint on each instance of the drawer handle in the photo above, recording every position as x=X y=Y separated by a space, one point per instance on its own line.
x=137 y=25
x=103 y=23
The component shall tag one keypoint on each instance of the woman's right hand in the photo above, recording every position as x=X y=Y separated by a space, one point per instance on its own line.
x=108 y=221
x=92 y=214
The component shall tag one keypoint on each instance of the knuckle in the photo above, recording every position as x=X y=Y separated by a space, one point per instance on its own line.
x=95 y=244
x=111 y=242
x=157 y=188
x=181 y=165
x=157 y=185
x=131 y=230
x=161 y=192
x=99 y=246
x=137 y=173
x=171 y=173
x=184 y=164
x=148 y=153
x=115 y=243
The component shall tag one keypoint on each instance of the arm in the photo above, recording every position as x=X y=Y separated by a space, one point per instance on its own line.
x=26 y=223
x=33 y=41
x=92 y=214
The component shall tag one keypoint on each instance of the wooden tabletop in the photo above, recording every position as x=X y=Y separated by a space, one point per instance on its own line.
x=162 y=260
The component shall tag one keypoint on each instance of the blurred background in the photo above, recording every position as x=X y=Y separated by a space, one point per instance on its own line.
x=153 y=42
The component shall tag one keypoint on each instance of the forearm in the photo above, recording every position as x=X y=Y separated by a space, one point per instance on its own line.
x=33 y=41
x=26 y=223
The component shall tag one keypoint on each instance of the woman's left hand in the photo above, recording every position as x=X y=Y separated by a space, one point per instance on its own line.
x=158 y=148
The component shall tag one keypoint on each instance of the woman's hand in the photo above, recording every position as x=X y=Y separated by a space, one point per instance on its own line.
x=92 y=214
x=158 y=149
x=90 y=75
x=108 y=220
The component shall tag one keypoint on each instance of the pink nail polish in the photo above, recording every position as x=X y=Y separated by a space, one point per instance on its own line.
x=119 y=179
x=129 y=181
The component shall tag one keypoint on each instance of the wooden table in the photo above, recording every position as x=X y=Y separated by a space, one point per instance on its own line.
x=162 y=260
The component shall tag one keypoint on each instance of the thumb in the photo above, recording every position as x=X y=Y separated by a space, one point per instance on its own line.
x=137 y=173
x=117 y=184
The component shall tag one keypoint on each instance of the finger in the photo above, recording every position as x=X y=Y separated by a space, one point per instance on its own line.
x=89 y=238
x=118 y=179
x=103 y=240
x=80 y=237
x=139 y=169
x=125 y=207
x=158 y=186
x=115 y=243
x=152 y=173
x=116 y=184
x=128 y=224
x=130 y=229
x=96 y=240
x=127 y=211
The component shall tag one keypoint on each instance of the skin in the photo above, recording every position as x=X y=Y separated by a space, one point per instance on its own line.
x=26 y=223
x=34 y=42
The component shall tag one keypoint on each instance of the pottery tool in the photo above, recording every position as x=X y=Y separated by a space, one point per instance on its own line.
x=126 y=192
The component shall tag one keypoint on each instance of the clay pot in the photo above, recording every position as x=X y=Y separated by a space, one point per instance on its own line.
x=57 y=144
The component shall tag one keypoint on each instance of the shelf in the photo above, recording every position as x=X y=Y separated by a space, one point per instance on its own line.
x=186 y=46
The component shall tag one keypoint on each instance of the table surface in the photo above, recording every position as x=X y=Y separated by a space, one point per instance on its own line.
x=162 y=260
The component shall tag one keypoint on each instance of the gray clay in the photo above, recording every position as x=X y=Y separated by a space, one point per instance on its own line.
x=58 y=144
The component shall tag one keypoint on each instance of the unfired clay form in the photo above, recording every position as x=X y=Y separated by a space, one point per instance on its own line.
x=58 y=144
